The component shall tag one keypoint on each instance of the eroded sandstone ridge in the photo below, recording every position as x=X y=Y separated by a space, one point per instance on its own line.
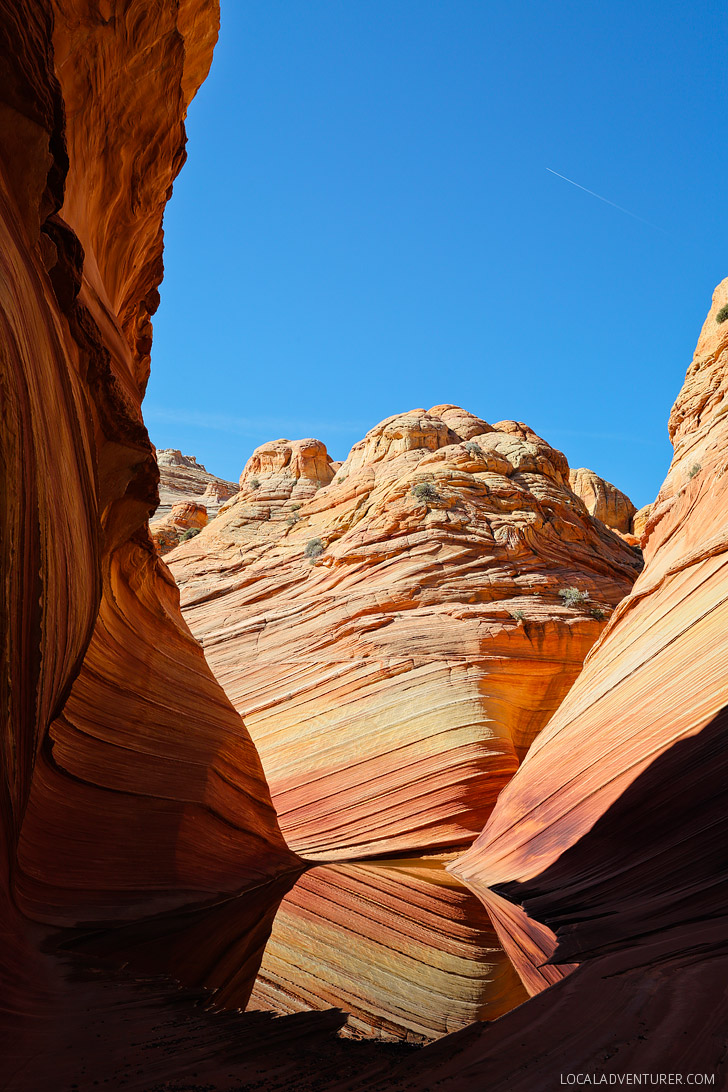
x=182 y=480
x=397 y=629
x=183 y=521
x=189 y=496
x=657 y=675
x=613 y=829
x=129 y=780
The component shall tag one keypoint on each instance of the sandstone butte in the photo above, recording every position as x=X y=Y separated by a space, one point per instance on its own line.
x=613 y=830
x=182 y=480
x=129 y=781
x=394 y=629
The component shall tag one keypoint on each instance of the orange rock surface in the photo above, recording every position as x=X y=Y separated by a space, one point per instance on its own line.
x=183 y=480
x=657 y=675
x=169 y=531
x=396 y=631
x=603 y=500
x=640 y=521
x=403 y=949
x=129 y=780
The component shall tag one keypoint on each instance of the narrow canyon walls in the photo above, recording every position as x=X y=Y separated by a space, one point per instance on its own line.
x=129 y=780
x=397 y=629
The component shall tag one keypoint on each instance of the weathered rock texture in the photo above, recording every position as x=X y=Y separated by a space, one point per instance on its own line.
x=394 y=631
x=640 y=521
x=403 y=949
x=183 y=480
x=168 y=532
x=657 y=675
x=603 y=500
x=128 y=781
x=613 y=830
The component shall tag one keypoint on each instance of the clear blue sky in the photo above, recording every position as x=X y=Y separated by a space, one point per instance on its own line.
x=366 y=224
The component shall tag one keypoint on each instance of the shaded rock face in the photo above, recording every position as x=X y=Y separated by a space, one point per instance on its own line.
x=604 y=500
x=401 y=947
x=397 y=630
x=182 y=480
x=129 y=780
x=169 y=531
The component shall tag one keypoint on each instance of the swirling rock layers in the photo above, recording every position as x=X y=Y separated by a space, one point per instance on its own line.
x=129 y=780
x=396 y=630
x=657 y=675
x=613 y=830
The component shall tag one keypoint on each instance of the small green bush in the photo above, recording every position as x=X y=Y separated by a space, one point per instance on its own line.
x=314 y=548
x=722 y=314
x=292 y=521
x=424 y=491
x=254 y=483
x=295 y=507
x=518 y=615
x=598 y=613
x=190 y=534
x=573 y=597
x=474 y=449
x=694 y=469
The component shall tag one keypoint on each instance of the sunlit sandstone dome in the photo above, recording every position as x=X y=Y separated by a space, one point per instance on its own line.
x=398 y=628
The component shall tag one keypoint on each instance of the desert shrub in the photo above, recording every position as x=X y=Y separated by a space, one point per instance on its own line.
x=295 y=507
x=424 y=491
x=573 y=597
x=254 y=483
x=190 y=534
x=598 y=613
x=314 y=548
x=518 y=615
x=694 y=469
x=722 y=314
x=473 y=448
x=292 y=521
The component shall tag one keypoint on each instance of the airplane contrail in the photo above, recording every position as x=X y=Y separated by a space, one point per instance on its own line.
x=606 y=200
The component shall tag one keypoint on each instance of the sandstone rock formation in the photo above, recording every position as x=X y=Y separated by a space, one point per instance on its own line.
x=129 y=781
x=656 y=675
x=603 y=500
x=640 y=521
x=396 y=631
x=612 y=831
x=403 y=949
x=183 y=480
x=168 y=532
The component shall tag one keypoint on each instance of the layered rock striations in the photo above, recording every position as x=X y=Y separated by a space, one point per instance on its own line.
x=396 y=630
x=404 y=949
x=182 y=480
x=129 y=780
x=612 y=832
x=656 y=676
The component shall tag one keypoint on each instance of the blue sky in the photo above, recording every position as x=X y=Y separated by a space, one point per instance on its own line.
x=366 y=224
